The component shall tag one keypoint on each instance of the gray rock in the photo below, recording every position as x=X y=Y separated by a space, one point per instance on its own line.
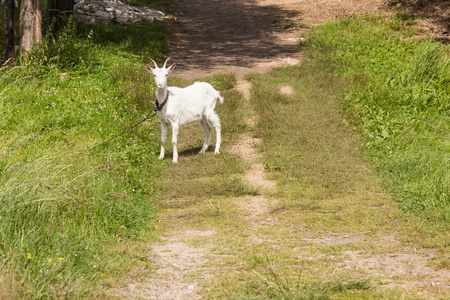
x=96 y=11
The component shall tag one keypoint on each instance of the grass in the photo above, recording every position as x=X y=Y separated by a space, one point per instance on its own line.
x=280 y=286
x=313 y=156
x=399 y=99
x=324 y=188
x=73 y=221
x=67 y=212
x=328 y=203
x=384 y=85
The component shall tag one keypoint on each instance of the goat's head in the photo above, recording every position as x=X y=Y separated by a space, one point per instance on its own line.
x=160 y=74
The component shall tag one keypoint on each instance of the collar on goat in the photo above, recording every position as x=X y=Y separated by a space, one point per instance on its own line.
x=156 y=104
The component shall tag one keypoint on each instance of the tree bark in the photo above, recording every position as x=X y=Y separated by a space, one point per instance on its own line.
x=38 y=22
x=9 y=31
x=30 y=25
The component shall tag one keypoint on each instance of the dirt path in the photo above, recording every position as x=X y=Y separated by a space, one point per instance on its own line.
x=248 y=36
x=242 y=37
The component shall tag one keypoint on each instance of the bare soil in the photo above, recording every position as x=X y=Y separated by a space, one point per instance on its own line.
x=246 y=36
x=242 y=37
x=434 y=16
x=235 y=36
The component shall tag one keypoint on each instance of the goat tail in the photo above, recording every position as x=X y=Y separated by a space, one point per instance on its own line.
x=220 y=98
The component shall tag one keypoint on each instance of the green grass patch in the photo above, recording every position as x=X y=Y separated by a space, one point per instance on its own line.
x=306 y=147
x=364 y=75
x=279 y=286
x=400 y=101
x=66 y=212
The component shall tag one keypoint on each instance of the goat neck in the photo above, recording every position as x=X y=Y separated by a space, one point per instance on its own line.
x=161 y=93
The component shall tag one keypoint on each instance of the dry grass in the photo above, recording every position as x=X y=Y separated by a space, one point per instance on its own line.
x=434 y=14
x=10 y=287
x=306 y=146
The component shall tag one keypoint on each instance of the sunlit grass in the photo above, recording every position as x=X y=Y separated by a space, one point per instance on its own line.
x=72 y=218
x=399 y=99
x=65 y=211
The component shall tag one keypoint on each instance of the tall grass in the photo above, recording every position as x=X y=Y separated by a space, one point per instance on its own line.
x=65 y=209
x=400 y=100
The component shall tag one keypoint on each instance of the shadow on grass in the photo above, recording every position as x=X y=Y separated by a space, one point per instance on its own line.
x=142 y=41
x=191 y=152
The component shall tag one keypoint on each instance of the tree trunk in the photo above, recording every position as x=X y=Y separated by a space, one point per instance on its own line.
x=30 y=25
x=38 y=22
x=9 y=31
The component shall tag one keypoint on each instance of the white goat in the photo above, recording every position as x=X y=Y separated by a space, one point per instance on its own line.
x=183 y=106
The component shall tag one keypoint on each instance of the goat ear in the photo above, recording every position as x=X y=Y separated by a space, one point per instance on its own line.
x=171 y=67
x=149 y=68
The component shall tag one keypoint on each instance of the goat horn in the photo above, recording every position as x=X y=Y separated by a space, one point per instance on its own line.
x=166 y=62
x=156 y=65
